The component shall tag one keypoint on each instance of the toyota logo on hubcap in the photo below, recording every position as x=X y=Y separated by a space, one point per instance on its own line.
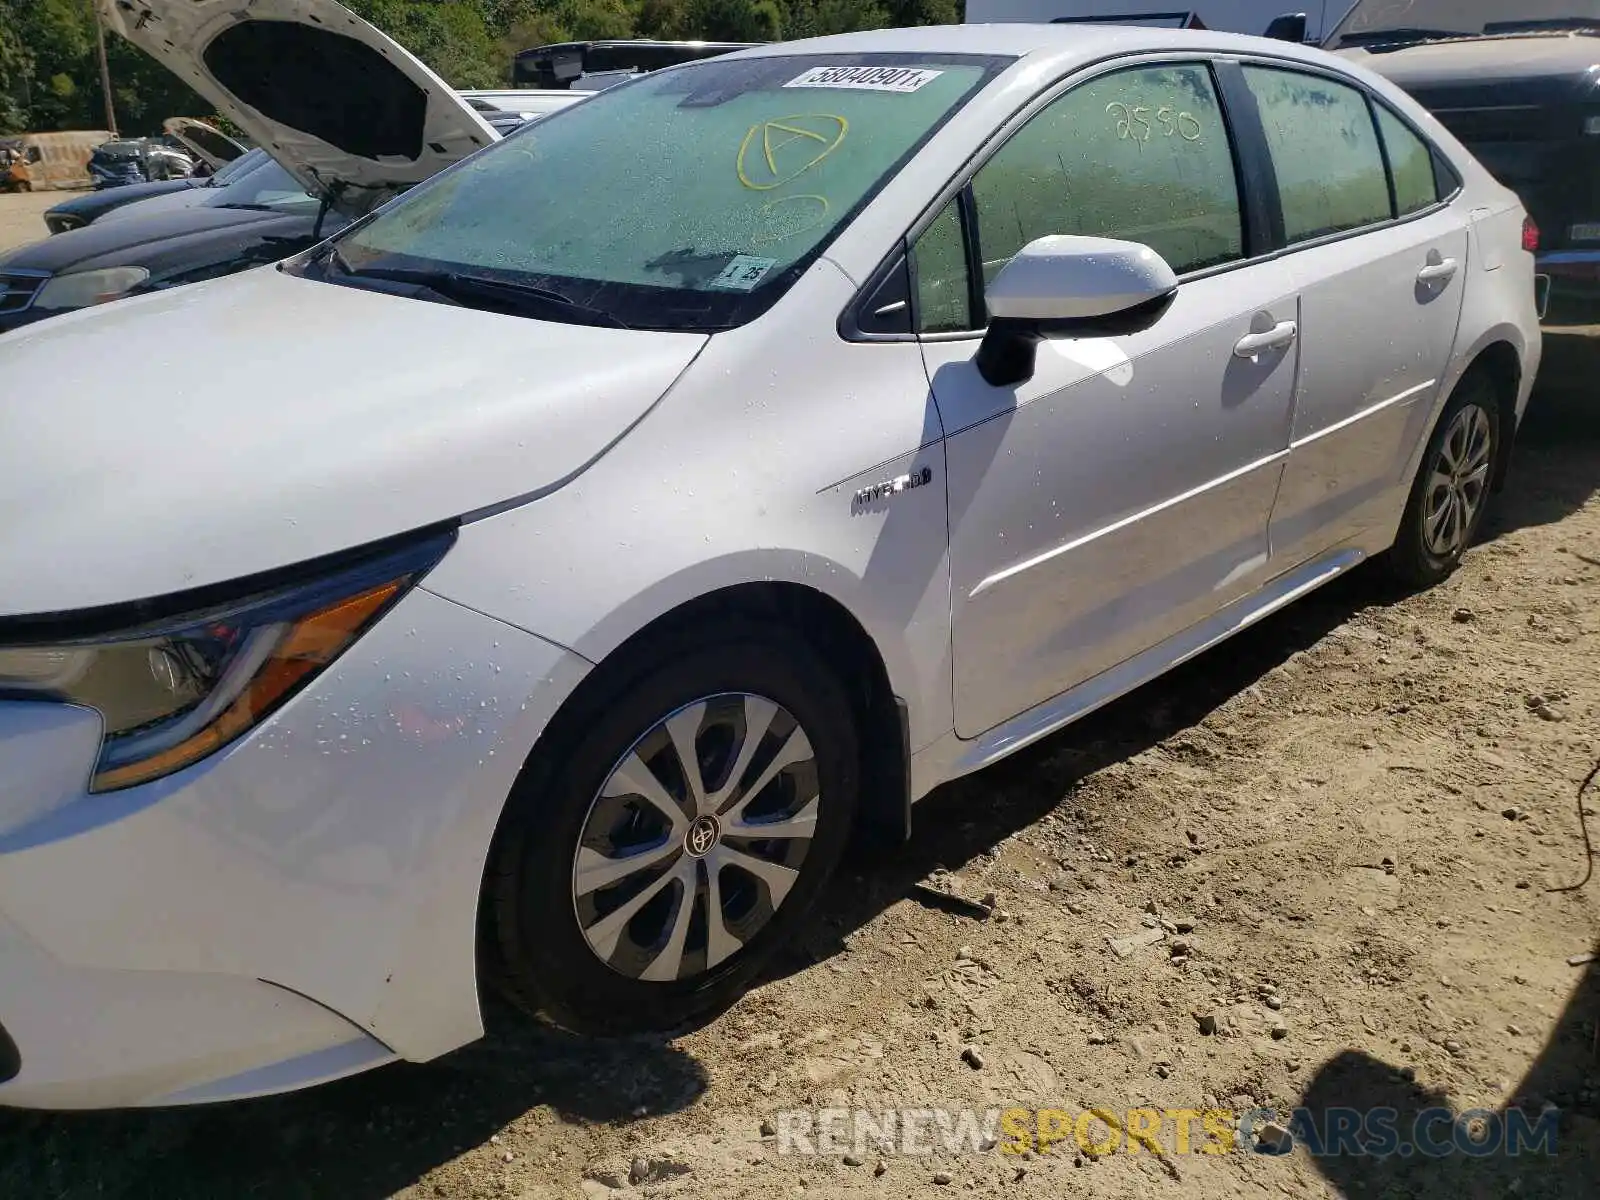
x=702 y=835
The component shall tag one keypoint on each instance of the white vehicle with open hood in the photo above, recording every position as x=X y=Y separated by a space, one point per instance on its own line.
x=350 y=117
x=555 y=571
x=346 y=109
x=206 y=142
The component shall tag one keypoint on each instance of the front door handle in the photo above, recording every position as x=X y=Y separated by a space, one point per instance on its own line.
x=1254 y=345
x=1439 y=272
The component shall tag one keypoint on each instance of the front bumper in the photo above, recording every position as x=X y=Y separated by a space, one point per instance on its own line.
x=297 y=907
x=1571 y=281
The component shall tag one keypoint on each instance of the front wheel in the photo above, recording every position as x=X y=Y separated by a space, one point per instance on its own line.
x=643 y=878
x=1450 y=497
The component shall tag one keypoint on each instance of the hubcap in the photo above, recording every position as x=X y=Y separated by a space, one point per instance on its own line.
x=1458 y=482
x=702 y=837
x=696 y=837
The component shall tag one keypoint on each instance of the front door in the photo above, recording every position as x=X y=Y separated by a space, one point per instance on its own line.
x=1383 y=268
x=1124 y=492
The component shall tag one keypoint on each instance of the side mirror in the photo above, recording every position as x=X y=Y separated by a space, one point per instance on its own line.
x=1069 y=286
x=1291 y=27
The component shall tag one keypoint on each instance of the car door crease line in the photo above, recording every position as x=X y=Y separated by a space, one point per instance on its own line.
x=1372 y=411
x=1132 y=519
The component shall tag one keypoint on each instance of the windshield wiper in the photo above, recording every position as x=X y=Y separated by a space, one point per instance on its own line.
x=476 y=291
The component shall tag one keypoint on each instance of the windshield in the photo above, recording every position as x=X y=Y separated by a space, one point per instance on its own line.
x=268 y=186
x=239 y=167
x=687 y=199
x=1378 y=21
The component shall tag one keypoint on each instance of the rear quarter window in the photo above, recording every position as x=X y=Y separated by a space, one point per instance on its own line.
x=1416 y=182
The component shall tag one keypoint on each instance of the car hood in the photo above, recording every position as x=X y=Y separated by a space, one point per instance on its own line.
x=65 y=251
x=177 y=200
x=91 y=205
x=292 y=419
x=346 y=109
x=207 y=143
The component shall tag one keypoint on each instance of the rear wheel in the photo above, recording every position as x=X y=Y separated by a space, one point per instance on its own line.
x=1450 y=497
x=642 y=881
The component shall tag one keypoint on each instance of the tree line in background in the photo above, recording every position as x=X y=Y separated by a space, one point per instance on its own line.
x=49 y=78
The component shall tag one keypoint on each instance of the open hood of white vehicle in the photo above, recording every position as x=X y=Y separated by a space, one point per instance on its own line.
x=206 y=142
x=346 y=110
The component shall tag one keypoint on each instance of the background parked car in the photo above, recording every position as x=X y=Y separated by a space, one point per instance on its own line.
x=42 y=161
x=224 y=156
x=262 y=215
x=138 y=199
x=593 y=65
x=138 y=160
x=116 y=163
x=1515 y=81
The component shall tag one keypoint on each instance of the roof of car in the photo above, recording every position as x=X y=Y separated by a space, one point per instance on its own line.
x=1066 y=43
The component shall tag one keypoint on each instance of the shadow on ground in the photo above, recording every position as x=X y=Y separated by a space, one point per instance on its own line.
x=368 y=1137
x=1556 y=470
x=1566 y=1076
x=360 y=1139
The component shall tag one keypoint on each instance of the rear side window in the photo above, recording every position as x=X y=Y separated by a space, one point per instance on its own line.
x=1141 y=154
x=1325 y=152
x=1416 y=184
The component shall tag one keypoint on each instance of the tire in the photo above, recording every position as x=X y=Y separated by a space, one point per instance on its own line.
x=1457 y=474
x=584 y=797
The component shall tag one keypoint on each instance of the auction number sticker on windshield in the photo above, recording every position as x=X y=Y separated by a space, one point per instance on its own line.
x=744 y=272
x=866 y=79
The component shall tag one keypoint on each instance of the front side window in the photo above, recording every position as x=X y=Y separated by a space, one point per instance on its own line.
x=1142 y=155
x=686 y=199
x=1325 y=153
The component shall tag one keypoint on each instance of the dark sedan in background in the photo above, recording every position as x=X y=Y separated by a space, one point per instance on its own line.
x=89 y=207
x=1518 y=81
x=262 y=215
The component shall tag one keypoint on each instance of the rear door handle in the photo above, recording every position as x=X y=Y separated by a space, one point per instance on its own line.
x=1254 y=345
x=1439 y=272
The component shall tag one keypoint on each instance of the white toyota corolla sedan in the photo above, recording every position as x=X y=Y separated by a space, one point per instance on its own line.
x=548 y=577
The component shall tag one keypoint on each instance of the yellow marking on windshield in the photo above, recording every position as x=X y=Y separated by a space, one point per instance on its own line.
x=776 y=136
x=819 y=217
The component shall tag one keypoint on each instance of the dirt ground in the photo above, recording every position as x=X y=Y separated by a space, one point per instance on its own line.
x=22 y=216
x=1346 y=823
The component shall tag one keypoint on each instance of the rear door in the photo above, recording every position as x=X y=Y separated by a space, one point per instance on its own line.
x=1123 y=493
x=1379 y=258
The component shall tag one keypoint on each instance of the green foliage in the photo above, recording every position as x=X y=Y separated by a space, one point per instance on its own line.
x=49 y=78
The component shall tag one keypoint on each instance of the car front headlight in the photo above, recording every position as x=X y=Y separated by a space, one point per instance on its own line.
x=172 y=691
x=80 y=289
